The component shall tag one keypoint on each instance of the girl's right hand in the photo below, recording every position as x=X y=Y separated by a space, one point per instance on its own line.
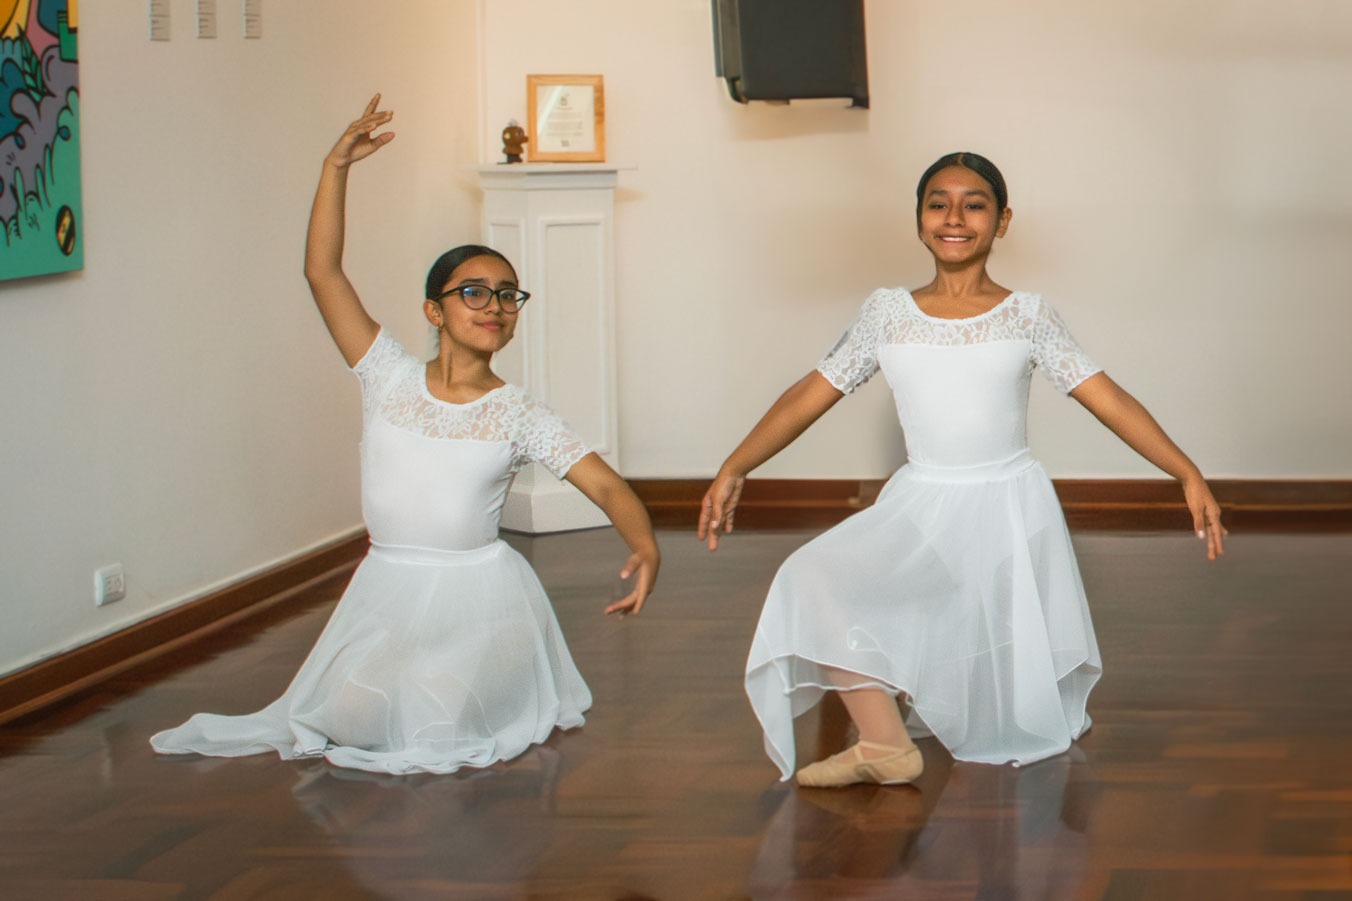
x=719 y=506
x=358 y=142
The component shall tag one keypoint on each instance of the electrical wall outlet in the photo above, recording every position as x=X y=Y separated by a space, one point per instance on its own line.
x=109 y=584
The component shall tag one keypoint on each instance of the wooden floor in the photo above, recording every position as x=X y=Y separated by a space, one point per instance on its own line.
x=1219 y=765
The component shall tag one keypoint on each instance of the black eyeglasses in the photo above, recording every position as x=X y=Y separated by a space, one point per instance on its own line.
x=477 y=297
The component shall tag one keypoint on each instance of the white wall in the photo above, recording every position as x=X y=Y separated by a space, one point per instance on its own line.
x=176 y=406
x=1178 y=174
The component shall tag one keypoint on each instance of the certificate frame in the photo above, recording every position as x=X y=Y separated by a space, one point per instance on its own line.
x=567 y=115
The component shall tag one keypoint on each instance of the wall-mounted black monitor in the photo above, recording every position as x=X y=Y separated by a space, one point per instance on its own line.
x=781 y=50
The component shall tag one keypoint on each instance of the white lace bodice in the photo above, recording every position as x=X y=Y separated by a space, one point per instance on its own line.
x=890 y=316
x=961 y=385
x=394 y=387
x=435 y=474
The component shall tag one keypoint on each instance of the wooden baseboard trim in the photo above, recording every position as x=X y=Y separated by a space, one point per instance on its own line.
x=1247 y=505
x=765 y=503
x=1256 y=505
x=60 y=677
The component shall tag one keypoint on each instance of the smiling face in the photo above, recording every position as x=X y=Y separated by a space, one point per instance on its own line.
x=959 y=216
x=481 y=331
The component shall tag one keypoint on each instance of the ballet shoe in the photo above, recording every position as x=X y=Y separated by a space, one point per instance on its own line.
x=850 y=766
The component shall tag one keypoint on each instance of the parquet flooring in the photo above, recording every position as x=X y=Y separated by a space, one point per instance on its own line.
x=1219 y=765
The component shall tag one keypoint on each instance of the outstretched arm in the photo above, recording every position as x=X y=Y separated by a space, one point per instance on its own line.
x=604 y=488
x=351 y=326
x=1131 y=422
x=799 y=407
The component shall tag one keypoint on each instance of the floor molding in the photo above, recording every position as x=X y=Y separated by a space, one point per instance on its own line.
x=1247 y=505
x=60 y=677
x=1115 y=504
x=765 y=503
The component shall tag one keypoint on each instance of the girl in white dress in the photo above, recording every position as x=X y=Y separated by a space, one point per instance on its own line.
x=444 y=651
x=957 y=591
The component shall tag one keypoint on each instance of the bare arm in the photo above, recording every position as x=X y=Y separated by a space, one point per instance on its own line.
x=351 y=326
x=604 y=487
x=1131 y=422
x=799 y=407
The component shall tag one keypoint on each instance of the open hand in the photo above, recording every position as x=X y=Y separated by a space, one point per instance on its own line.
x=643 y=567
x=1206 y=517
x=359 y=142
x=719 y=506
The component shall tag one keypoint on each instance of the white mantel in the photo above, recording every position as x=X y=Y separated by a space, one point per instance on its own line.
x=554 y=221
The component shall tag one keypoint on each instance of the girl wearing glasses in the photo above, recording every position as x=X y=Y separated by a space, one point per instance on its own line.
x=444 y=651
x=957 y=591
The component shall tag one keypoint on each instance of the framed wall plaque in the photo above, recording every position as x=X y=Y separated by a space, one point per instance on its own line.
x=567 y=115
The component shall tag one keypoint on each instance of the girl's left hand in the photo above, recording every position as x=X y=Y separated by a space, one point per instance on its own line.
x=1206 y=516
x=643 y=567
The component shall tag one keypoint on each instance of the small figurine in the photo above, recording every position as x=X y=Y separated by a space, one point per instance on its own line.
x=513 y=140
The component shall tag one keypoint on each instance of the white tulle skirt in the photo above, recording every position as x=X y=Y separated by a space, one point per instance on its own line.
x=958 y=589
x=432 y=661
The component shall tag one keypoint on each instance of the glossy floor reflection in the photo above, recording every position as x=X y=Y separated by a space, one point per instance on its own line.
x=1216 y=768
x=960 y=829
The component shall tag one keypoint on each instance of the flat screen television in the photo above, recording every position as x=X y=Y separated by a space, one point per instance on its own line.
x=782 y=50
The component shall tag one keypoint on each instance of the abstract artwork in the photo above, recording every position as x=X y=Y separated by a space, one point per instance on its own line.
x=40 y=215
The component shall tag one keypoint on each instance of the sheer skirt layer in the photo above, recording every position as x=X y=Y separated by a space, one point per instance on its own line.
x=432 y=660
x=959 y=589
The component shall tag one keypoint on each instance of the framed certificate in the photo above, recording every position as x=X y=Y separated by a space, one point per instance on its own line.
x=567 y=114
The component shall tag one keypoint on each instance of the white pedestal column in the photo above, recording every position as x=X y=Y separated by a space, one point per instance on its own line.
x=554 y=222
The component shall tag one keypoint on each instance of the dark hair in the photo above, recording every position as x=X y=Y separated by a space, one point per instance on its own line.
x=449 y=261
x=966 y=160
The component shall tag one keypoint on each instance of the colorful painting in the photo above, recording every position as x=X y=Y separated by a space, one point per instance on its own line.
x=40 y=216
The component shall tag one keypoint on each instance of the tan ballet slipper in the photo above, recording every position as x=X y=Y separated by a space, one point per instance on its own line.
x=895 y=767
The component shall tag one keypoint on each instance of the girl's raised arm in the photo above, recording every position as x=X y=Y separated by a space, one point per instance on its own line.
x=1130 y=421
x=351 y=326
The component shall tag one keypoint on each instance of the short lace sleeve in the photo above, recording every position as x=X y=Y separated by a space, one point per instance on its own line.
x=543 y=437
x=1056 y=353
x=854 y=358
x=384 y=361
